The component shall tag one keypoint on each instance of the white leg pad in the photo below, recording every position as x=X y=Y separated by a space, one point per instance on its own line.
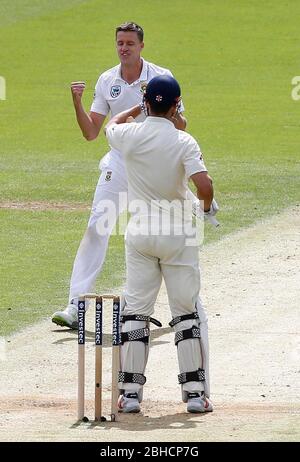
x=204 y=344
x=189 y=357
x=134 y=356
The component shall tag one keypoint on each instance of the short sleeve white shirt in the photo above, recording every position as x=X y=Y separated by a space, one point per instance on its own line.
x=158 y=158
x=114 y=95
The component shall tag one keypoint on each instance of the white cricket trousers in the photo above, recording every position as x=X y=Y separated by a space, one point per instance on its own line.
x=92 y=250
x=148 y=260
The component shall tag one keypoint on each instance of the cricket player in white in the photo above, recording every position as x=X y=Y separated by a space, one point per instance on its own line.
x=117 y=89
x=159 y=158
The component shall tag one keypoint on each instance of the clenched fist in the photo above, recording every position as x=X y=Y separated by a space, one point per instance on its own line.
x=77 y=89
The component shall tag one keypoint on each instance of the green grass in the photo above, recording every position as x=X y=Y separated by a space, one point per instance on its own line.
x=38 y=251
x=234 y=60
x=21 y=10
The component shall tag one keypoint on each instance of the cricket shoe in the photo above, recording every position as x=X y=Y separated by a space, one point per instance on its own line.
x=198 y=402
x=129 y=403
x=67 y=317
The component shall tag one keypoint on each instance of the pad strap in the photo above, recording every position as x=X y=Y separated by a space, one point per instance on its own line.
x=139 y=335
x=194 y=376
x=140 y=317
x=183 y=318
x=131 y=377
x=186 y=334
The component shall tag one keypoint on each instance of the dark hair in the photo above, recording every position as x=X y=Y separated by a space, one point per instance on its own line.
x=131 y=27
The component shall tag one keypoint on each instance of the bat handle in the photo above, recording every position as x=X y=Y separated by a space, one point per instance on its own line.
x=213 y=221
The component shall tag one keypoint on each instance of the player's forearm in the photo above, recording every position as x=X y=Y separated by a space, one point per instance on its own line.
x=85 y=123
x=123 y=116
x=207 y=200
x=205 y=192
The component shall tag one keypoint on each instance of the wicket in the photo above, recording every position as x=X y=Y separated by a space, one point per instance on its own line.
x=116 y=341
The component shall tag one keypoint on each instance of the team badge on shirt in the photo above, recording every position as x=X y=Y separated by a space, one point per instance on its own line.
x=115 y=91
x=143 y=87
x=108 y=176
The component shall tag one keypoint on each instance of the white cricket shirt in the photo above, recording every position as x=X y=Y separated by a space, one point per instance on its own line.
x=114 y=95
x=158 y=159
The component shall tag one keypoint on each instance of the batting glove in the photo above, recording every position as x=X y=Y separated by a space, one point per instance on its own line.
x=209 y=215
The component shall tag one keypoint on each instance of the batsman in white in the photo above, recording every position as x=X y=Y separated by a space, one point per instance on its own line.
x=117 y=89
x=159 y=158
